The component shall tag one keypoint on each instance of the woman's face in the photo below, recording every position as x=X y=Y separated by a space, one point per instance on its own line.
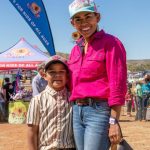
x=86 y=23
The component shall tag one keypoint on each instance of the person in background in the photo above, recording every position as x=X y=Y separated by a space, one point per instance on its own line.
x=38 y=82
x=2 y=107
x=133 y=92
x=14 y=84
x=49 y=116
x=145 y=94
x=7 y=90
x=139 y=100
x=129 y=100
x=98 y=72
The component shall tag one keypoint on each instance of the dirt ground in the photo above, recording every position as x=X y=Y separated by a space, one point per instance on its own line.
x=13 y=137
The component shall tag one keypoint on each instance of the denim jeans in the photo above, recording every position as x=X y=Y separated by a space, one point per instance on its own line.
x=145 y=103
x=90 y=126
x=139 y=115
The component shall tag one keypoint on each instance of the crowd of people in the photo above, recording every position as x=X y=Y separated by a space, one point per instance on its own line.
x=12 y=89
x=138 y=98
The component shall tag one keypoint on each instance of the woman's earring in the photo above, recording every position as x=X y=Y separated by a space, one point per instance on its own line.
x=76 y=35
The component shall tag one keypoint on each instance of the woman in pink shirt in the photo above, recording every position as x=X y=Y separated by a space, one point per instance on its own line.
x=97 y=66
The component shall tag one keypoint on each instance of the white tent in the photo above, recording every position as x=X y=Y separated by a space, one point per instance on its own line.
x=22 y=55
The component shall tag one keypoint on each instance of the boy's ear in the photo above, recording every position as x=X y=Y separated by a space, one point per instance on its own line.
x=45 y=77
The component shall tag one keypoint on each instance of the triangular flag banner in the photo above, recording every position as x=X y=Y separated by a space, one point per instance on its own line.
x=34 y=13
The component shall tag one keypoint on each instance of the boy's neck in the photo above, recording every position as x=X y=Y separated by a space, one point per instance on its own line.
x=58 y=90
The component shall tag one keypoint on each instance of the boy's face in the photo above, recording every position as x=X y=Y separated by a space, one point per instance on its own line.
x=56 y=75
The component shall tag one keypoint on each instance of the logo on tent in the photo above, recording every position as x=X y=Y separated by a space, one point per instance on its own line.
x=21 y=52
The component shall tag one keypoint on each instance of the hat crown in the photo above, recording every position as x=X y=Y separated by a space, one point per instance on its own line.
x=55 y=58
x=81 y=5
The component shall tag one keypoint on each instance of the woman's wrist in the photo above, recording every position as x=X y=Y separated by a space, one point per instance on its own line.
x=113 y=120
x=115 y=112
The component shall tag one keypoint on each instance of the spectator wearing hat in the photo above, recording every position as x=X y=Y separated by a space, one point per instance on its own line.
x=97 y=65
x=38 y=82
x=49 y=116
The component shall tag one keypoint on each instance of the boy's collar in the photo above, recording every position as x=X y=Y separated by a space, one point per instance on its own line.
x=54 y=92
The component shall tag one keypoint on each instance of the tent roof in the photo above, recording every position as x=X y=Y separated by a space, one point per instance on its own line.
x=22 y=53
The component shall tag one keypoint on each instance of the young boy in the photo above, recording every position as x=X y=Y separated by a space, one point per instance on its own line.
x=49 y=116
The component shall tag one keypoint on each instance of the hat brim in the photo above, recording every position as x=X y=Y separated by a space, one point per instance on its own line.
x=79 y=11
x=52 y=62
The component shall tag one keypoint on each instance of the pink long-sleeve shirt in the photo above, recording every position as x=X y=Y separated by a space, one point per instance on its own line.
x=101 y=73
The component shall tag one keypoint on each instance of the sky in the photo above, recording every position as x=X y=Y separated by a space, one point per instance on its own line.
x=129 y=20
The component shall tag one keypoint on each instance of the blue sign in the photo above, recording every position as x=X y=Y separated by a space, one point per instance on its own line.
x=33 y=11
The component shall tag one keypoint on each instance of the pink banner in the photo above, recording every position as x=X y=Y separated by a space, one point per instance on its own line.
x=22 y=65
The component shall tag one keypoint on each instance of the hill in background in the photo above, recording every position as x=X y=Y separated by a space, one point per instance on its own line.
x=133 y=65
x=138 y=65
